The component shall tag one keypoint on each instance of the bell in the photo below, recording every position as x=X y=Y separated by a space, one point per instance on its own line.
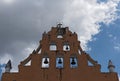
x=46 y=61
x=60 y=61
x=67 y=48
x=73 y=61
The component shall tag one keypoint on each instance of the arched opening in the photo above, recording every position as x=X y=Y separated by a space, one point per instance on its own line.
x=45 y=62
x=66 y=46
x=73 y=62
x=53 y=47
x=59 y=36
x=59 y=62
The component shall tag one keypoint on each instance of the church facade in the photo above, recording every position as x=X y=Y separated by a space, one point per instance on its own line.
x=59 y=57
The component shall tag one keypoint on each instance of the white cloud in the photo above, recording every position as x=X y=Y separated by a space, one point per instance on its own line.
x=20 y=56
x=115 y=42
x=84 y=16
x=23 y=55
x=29 y=49
x=8 y=1
x=117 y=47
x=110 y=35
x=113 y=38
x=5 y=58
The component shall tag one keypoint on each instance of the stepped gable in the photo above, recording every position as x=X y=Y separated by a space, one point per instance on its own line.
x=59 y=57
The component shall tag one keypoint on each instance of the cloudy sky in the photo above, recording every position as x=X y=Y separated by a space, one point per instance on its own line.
x=96 y=22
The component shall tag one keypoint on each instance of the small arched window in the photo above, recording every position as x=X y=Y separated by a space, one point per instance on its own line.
x=59 y=62
x=59 y=36
x=73 y=62
x=45 y=62
x=53 y=46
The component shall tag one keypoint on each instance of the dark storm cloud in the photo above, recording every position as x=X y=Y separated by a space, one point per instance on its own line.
x=25 y=21
x=22 y=24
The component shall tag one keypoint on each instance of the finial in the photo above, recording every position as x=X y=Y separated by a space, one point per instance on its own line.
x=44 y=33
x=8 y=66
x=111 y=66
x=59 y=25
